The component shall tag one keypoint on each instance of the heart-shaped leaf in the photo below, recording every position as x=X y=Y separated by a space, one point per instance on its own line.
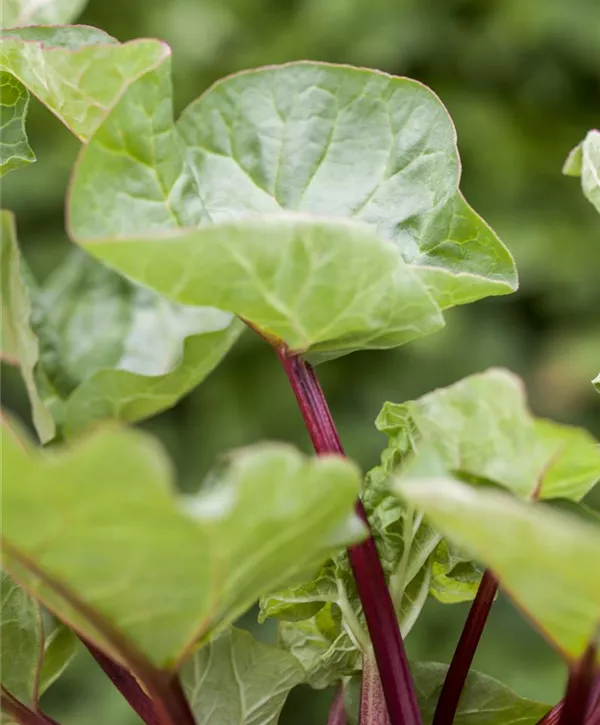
x=368 y=161
x=235 y=680
x=18 y=13
x=481 y=428
x=157 y=572
x=554 y=583
x=34 y=650
x=93 y=345
x=584 y=161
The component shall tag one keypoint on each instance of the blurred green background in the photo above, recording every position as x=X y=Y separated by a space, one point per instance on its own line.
x=521 y=78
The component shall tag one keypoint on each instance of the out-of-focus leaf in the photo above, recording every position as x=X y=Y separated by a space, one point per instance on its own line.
x=31 y=658
x=554 y=583
x=482 y=429
x=17 y=285
x=93 y=345
x=235 y=680
x=18 y=13
x=584 y=161
x=484 y=701
x=596 y=382
x=14 y=146
x=291 y=139
x=190 y=565
x=111 y=349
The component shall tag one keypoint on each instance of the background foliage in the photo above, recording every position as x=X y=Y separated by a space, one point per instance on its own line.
x=522 y=83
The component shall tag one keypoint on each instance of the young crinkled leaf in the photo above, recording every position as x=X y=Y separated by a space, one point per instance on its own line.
x=35 y=651
x=93 y=345
x=481 y=429
x=235 y=680
x=555 y=584
x=484 y=701
x=157 y=572
x=19 y=13
x=584 y=161
x=320 y=202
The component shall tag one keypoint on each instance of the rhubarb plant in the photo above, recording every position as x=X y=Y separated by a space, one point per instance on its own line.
x=318 y=206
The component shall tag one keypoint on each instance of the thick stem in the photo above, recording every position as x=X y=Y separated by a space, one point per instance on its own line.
x=372 y=703
x=552 y=717
x=593 y=716
x=22 y=714
x=392 y=663
x=579 y=689
x=127 y=685
x=465 y=651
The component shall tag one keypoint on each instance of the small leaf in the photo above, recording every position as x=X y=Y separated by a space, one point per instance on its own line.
x=454 y=577
x=596 y=382
x=235 y=680
x=554 y=583
x=16 y=317
x=18 y=13
x=14 y=147
x=31 y=659
x=287 y=145
x=584 y=161
x=483 y=698
x=158 y=572
x=481 y=428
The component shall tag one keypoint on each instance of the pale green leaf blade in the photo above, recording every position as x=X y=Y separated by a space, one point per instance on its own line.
x=322 y=286
x=76 y=71
x=485 y=701
x=190 y=565
x=14 y=146
x=111 y=349
x=454 y=577
x=35 y=652
x=249 y=148
x=584 y=161
x=481 y=428
x=16 y=319
x=235 y=680
x=18 y=13
x=554 y=583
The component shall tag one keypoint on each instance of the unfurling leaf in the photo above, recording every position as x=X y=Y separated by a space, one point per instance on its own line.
x=554 y=583
x=481 y=429
x=158 y=572
x=254 y=202
x=93 y=345
x=35 y=651
x=235 y=680
x=584 y=161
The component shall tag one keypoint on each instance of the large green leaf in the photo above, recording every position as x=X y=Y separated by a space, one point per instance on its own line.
x=353 y=177
x=14 y=147
x=584 y=161
x=18 y=13
x=16 y=319
x=34 y=651
x=155 y=572
x=545 y=559
x=481 y=428
x=93 y=345
x=235 y=680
